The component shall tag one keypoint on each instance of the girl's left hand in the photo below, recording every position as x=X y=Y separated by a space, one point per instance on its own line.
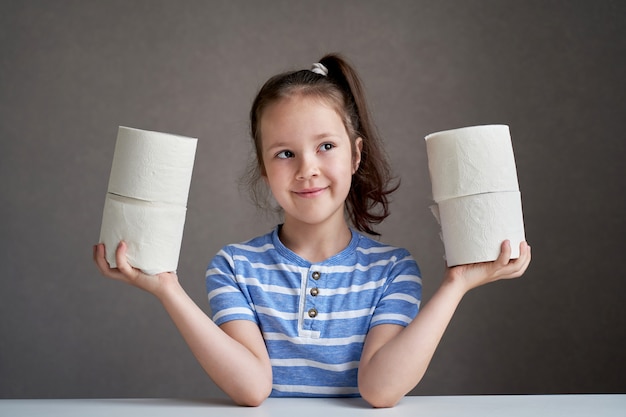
x=475 y=275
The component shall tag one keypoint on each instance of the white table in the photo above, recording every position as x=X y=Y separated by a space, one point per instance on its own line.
x=458 y=406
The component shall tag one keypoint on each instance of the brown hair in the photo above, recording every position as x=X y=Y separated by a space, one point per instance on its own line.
x=367 y=202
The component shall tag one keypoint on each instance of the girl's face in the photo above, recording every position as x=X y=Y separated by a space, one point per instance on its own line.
x=308 y=159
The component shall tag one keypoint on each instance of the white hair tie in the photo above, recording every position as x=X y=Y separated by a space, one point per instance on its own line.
x=319 y=69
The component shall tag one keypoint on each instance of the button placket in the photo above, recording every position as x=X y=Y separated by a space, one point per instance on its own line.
x=314 y=292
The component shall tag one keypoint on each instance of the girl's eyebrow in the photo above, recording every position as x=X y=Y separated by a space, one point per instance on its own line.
x=327 y=135
x=278 y=145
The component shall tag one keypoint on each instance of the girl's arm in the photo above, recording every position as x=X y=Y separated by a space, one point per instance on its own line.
x=234 y=356
x=395 y=358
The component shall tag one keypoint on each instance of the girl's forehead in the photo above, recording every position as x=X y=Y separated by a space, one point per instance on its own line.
x=298 y=109
x=296 y=118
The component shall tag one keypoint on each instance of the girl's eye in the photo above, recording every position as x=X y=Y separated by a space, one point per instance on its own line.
x=284 y=154
x=326 y=147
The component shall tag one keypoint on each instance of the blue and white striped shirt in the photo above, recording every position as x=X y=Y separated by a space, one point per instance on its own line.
x=314 y=316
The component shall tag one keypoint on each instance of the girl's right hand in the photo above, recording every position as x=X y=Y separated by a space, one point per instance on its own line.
x=474 y=275
x=154 y=284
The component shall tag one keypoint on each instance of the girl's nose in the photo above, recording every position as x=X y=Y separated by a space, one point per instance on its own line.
x=307 y=168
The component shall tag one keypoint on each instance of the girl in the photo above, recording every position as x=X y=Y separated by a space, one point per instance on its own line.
x=315 y=307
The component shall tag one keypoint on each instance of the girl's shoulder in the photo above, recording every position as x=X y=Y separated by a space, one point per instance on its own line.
x=266 y=249
x=373 y=254
x=258 y=250
x=370 y=251
x=367 y=244
x=254 y=245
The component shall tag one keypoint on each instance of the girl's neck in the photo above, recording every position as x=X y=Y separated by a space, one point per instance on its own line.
x=315 y=243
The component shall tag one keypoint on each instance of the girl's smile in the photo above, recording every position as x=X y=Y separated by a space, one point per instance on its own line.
x=310 y=193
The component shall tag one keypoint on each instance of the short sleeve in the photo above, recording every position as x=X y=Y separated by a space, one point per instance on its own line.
x=228 y=298
x=401 y=299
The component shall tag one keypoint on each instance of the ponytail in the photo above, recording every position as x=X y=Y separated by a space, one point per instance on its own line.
x=367 y=202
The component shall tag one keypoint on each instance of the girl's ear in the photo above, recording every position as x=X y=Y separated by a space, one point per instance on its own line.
x=356 y=159
x=262 y=170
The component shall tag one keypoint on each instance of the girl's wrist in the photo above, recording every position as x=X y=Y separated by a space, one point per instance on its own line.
x=168 y=287
x=455 y=282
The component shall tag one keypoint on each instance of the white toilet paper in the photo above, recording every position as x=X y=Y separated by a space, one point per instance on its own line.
x=152 y=231
x=146 y=201
x=473 y=227
x=152 y=166
x=471 y=160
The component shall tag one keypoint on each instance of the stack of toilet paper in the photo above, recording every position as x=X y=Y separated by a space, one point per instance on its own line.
x=146 y=202
x=475 y=188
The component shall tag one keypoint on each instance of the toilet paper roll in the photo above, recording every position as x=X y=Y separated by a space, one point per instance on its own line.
x=471 y=160
x=152 y=231
x=152 y=166
x=473 y=227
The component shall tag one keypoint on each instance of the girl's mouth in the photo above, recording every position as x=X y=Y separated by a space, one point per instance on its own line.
x=310 y=192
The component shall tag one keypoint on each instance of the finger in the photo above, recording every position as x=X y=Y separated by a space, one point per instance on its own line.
x=525 y=256
x=121 y=260
x=524 y=253
x=103 y=265
x=505 y=253
x=518 y=266
x=100 y=258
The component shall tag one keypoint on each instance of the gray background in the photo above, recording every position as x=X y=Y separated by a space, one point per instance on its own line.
x=71 y=72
